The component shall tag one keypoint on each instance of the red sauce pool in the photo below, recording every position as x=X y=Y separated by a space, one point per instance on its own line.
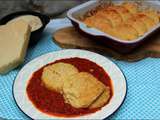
x=51 y=102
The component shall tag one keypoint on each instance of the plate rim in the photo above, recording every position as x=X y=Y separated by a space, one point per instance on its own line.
x=125 y=79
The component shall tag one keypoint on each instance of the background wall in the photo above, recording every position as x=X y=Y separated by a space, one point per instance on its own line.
x=53 y=8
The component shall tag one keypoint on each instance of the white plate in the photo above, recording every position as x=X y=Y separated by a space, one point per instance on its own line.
x=117 y=77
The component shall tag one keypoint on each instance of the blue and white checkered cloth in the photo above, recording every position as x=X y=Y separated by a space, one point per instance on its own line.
x=143 y=79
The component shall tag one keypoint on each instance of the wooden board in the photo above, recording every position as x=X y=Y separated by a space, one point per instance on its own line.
x=70 y=38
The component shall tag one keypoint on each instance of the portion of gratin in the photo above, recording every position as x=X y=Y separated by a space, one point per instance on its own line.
x=126 y=21
x=79 y=89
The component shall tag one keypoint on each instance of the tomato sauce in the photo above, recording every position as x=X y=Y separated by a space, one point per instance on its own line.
x=51 y=102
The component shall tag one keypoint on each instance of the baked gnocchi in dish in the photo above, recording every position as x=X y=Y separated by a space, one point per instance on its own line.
x=126 y=21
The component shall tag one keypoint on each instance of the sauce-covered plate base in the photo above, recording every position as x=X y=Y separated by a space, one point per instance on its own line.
x=117 y=78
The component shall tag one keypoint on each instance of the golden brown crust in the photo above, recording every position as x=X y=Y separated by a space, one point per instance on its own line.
x=153 y=14
x=125 y=21
x=123 y=12
x=99 y=23
x=146 y=20
x=102 y=99
x=138 y=25
x=125 y=32
x=81 y=89
x=112 y=15
x=131 y=7
x=54 y=75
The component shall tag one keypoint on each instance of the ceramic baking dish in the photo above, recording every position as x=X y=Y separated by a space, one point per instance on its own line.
x=119 y=45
